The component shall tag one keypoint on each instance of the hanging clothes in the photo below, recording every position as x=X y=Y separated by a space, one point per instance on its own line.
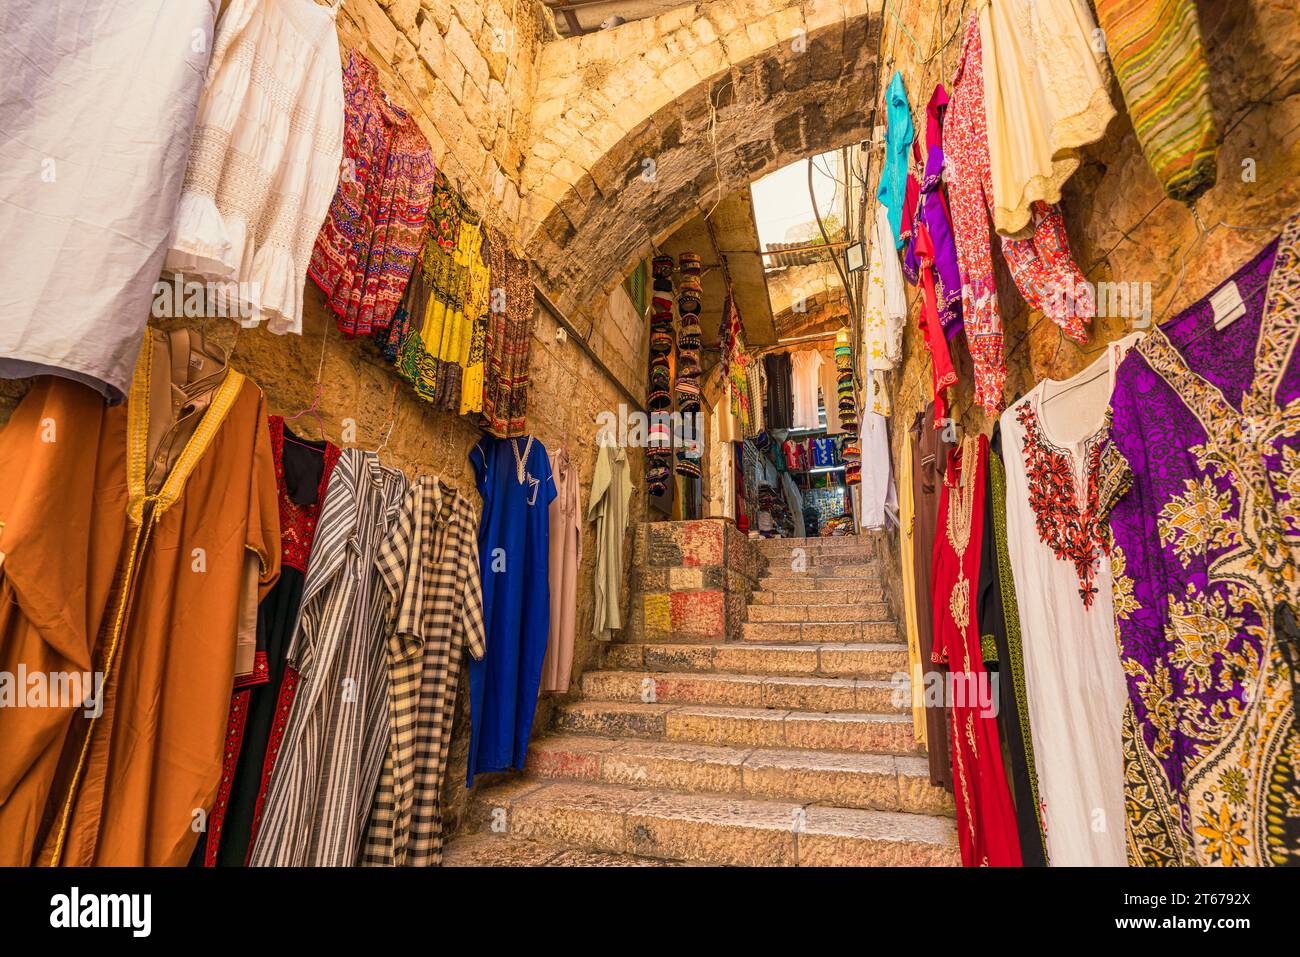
x=906 y=545
x=827 y=383
x=1198 y=482
x=514 y=479
x=986 y=825
x=754 y=418
x=805 y=372
x=87 y=192
x=508 y=341
x=565 y=535
x=878 y=496
x=265 y=159
x=999 y=622
x=1041 y=265
x=892 y=192
x=260 y=708
x=884 y=314
x=434 y=278
x=137 y=551
x=428 y=562
x=929 y=455
x=367 y=246
x=1058 y=557
x=1045 y=96
x=611 y=490
x=779 y=413
x=336 y=738
x=1155 y=46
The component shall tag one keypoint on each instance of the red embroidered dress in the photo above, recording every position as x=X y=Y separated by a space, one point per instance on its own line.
x=367 y=246
x=986 y=820
x=259 y=710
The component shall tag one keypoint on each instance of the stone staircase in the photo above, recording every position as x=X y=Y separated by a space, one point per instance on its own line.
x=788 y=746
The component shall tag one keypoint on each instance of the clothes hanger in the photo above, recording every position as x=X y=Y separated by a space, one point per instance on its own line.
x=1105 y=370
x=392 y=420
x=320 y=388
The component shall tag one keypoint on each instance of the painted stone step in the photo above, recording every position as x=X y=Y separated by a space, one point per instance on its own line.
x=858 y=611
x=486 y=849
x=802 y=596
x=747 y=690
x=838 y=659
x=861 y=732
x=712 y=829
x=854 y=570
x=819 y=631
x=869 y=781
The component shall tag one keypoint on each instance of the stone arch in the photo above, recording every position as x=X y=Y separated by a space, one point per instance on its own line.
x=638 y=129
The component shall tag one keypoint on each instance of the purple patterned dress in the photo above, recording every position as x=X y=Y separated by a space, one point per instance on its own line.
x=1201 y=475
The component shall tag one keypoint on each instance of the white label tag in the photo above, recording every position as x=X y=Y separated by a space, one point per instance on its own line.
x=1227 y=305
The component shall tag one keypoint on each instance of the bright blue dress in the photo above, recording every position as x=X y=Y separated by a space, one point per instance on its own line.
x=898 y=137
x=514 y=549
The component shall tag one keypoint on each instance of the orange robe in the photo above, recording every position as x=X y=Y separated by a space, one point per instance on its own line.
x=139 y=574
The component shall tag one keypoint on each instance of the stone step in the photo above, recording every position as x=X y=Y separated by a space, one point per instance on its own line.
x=837 y=659
x=485 y=849
x=854 y=571
x=747 y=690
x=858 y=611
x=880 y=782
x=819 y=631
x=711 y=829
x=860 y=732
x=818 y=583
x=800 y=596
x=844 y=543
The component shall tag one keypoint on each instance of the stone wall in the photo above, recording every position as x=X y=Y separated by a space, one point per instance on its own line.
x=444 y=60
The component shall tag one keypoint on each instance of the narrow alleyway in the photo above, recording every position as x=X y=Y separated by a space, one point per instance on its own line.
x=788 y=746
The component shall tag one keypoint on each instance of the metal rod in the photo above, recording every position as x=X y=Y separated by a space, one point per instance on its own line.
x=576 y=336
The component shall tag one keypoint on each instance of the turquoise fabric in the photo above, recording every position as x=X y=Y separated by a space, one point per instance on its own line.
x=898 y=139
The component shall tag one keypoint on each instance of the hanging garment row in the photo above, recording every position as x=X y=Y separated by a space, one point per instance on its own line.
x=267 y=631
x=1145 y=505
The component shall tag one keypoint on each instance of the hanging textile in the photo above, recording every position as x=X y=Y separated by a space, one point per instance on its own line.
x=611 y=490
x=428 y=562
x=999 y=624
x=259 y=709
x=1058 y=556
x=507 y=341
x=805 y=373
x=884 y=314
x=456 y=312
x=929 y=455
x=754 y=373
x=514 y=479
x=906 y=544
x=779 y=413
x=892 y=192
x=334 y=744
x=1041 y=265
x=367 y=245
x=851 y=451
x=878 y=496
x=1155 y=46
x=1198 y=481
x=986 y=826
x=565 y=535
x=265 y=158
x=659 y=398
x=1046 y=97
x=827 y=382
x=89 y=191
x=168 y=501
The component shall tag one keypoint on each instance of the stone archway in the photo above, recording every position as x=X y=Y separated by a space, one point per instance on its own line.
x=637 y=129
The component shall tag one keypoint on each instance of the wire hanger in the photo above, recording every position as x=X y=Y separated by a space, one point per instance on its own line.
x=392 y=420
x=312 y=409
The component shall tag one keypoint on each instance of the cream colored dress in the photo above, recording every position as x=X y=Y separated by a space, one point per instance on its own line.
x=1046 y=96
x=265 y=159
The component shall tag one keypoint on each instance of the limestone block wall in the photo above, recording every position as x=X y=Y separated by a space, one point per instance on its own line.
x=1121 y=226
x=691 y=581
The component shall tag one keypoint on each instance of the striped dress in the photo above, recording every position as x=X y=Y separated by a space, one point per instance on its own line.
x=334 y=745
x=1155 y=46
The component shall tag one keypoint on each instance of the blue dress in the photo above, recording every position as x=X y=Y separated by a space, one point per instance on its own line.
x=514 y=549
x=898 y=137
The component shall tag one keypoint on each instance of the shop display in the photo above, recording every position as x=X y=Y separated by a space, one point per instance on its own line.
x=514 y=479
x=265 y=158
x=805 y=374
x=82 y=259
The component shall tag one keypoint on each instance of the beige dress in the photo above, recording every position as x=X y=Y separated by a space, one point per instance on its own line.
x=565 y=516
x=611 y=489
x=1045 y=93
